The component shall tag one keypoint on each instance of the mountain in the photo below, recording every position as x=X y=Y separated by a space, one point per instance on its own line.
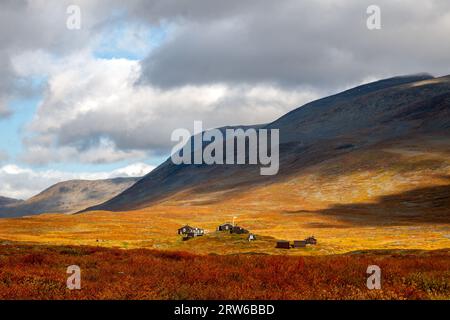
x=67 y=197
x=403 y=120
x=4 y=201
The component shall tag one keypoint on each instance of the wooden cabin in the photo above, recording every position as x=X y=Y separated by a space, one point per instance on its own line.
x=299 y=244
x=190 y=232
x=185 y=230
x=238 y=230
x=282 y=244
x=225 y=227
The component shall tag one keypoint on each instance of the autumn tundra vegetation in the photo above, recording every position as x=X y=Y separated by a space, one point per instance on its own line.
x=39 y=272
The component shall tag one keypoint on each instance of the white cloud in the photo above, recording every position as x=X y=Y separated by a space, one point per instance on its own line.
x=104 y=152
x=22 y=183
x=138 y=169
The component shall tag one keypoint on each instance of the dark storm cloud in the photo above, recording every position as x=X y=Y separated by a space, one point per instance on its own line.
x=323 y=44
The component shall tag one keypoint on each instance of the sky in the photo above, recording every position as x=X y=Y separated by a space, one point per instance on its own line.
x=101 y=101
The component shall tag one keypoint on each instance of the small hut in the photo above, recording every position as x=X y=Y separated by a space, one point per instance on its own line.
x=225 y=227
x=282 y=244
x=251 y=237
x=299 y=243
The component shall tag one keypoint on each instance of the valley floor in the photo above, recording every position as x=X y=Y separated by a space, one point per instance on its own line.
x=156 y=228
x=39 y=272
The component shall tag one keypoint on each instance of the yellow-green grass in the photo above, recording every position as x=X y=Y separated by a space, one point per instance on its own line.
x=157 y=228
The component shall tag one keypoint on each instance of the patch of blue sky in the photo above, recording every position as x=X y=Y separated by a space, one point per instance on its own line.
x=33 y=84
x=12 y=127
x=130 y=41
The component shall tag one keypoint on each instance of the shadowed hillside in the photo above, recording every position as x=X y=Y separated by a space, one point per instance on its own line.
x=4 y=201
x=422 y=205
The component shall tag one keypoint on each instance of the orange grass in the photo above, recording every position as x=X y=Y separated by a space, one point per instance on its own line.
x=156 y=228
x=39 y=272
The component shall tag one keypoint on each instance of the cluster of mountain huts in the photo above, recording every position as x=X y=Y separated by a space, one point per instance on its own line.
x=189 y=232
x=282 y=244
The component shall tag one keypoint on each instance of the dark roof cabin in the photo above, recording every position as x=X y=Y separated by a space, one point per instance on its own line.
x=190 y=232
x=185 y=230
x=225 y=227
x=282 y=244
x=238 y=230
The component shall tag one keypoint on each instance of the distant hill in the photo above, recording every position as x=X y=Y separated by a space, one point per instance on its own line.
x=67 y=197
x=4 y=201
x=354 y=123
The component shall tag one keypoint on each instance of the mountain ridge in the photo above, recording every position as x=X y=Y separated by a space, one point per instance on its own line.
x=67 y=197
x=8 y=201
